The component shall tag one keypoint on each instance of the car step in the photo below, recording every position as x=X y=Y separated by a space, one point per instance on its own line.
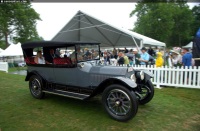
x=67 y=94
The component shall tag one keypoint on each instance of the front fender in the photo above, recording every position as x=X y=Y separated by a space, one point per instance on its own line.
x=114 y=80
x=147 y=75
x=126 y=81
x=118 y=80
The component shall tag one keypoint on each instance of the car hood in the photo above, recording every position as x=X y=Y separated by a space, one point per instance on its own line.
x=109 y=70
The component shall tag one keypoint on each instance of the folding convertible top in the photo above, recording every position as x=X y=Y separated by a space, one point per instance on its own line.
x=35 y=44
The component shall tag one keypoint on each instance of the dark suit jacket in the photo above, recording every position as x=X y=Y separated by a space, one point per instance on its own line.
x=49 y=58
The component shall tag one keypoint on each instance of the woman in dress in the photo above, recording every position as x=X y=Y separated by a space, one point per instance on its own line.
x=39 y=59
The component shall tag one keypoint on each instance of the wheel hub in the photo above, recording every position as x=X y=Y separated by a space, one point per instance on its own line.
x=118 y=103
x=35 y=87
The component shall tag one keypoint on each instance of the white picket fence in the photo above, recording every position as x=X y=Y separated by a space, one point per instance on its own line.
x=176 y=77
x=164 y=76
x=4 y=66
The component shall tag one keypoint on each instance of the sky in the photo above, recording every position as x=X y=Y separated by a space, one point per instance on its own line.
x=56 y=15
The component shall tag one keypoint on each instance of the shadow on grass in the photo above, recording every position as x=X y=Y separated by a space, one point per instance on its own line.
x=92 y=105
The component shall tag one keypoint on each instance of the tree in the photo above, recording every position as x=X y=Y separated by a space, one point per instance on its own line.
x=18 y=22
x=166 y=21
x=183 y=21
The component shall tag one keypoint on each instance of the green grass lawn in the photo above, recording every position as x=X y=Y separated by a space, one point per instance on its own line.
x=172 y=109
x=16 y=69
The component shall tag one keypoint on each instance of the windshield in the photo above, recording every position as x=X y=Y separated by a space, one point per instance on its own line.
x=87 y=52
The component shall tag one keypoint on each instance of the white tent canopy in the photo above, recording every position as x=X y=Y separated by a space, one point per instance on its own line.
x=190 y=45
x=12 y=50
x=84 y=27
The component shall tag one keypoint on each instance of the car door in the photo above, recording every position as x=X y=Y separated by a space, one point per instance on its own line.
x=77 y=76
x=65 y=76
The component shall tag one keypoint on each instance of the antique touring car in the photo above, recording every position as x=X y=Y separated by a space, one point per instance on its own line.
x=80 y=76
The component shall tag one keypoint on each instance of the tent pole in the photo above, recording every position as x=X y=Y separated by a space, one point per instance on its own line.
x=79 y=28
x=141 y=44
x=141 y=41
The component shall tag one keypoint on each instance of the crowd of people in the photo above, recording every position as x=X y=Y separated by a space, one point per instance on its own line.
x=144 y=56
x=150 y=56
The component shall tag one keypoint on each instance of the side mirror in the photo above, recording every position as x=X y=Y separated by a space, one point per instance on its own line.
x=81 y=65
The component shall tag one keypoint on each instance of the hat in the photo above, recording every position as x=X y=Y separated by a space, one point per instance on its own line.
x=134 y=49
x=175 y=52
x=143 y=48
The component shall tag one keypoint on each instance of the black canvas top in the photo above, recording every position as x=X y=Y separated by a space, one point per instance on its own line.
x=35 y=44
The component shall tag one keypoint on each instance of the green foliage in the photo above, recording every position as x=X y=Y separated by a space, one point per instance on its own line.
x=18 y=22
x=169 y=22
x=2 y=45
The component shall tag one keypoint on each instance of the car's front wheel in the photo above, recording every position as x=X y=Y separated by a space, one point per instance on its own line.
x=35 y=86
x=119 y=102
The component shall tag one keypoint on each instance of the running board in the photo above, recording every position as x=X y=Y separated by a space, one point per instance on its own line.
x=67 y=94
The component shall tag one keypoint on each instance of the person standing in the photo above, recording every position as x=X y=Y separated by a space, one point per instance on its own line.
x=151 y=51
x=137 y=56
x=121 y=59
x=175 y=58
x=186 y=61
x=156 y=50
x=144 y=57
x=126 y=60
x=114 y=53
x=169 y=60
x=125 y=50
x=106 y=56
x=187 y=58
x=130 y=56
x=159 y=59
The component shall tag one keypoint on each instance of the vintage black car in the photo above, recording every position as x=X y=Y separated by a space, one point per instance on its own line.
x=71 y=69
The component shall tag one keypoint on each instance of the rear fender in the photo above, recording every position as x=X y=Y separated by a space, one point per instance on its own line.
x=29 y=74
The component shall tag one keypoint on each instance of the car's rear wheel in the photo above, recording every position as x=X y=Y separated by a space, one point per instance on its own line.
x=145 y=92
x=119 y=102
x=35 y=86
